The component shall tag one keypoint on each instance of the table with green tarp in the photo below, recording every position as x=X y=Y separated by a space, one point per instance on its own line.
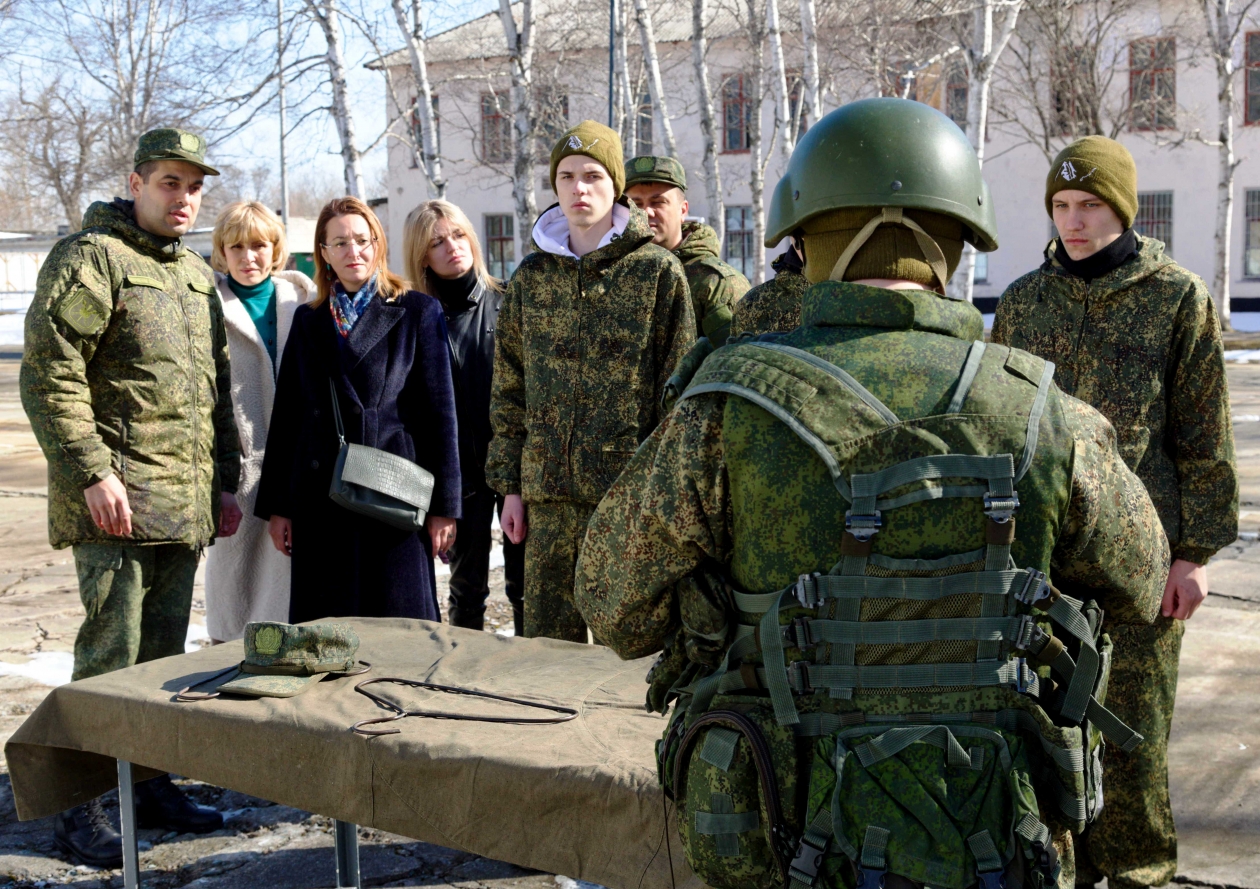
x=578 y=798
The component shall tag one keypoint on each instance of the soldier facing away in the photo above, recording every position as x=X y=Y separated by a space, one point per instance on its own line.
x=592 y=325
x=775 y=304
x=126 y=383
x=658 y=187
x=1137 y=337
x=840 y=540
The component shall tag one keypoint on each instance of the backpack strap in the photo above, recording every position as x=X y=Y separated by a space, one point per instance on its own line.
x=969 y=371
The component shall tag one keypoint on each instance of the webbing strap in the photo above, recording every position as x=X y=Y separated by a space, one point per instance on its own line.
x=836 y=373
x=910 y=632
x=1066 y=611
x=893 y=741
x=1031 y=829
x=1034 y=420
x=713 y=823
x=812 y=589
x=803 y=871
x=873 y=847
x=991 y=469
x=837 y=813
x=1110 y=725
x=1071 y=759
x=804 y=678
x=942 y=493
x=775 y=672
x=985 y=852
x=844 y=651
x=719 y=747
x=968 y=376
x=895 y=216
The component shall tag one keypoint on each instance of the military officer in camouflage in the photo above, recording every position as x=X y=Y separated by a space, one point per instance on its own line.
x=731 y=498
x=658 y=187
x=592 y=324
x=775 y=304
x=1136 y=336
x=126 y=383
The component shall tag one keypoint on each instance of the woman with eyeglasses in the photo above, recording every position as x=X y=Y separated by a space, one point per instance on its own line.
x=384 y=349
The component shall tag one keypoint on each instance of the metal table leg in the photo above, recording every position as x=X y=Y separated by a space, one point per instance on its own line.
x=127 y=821
x=346 y=842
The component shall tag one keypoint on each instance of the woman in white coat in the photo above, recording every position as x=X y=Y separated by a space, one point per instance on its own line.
x=246 y=578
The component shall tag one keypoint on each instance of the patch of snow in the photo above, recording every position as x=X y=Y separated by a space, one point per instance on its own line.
x=1246 y=418
x=196 y=633
x=51 y=668
x=505 y=631
x=1242 y=356
x=440 y=568
x=496 y=557
x=12 y=328
x=570 y=883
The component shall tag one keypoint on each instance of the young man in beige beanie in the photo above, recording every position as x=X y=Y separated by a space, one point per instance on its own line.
x=592 y=325
x=1136 y=336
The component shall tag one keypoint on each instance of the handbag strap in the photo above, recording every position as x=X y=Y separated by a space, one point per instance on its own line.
x=341 y=432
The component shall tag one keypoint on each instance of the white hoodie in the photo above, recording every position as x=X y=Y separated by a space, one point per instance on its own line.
x=551 y=231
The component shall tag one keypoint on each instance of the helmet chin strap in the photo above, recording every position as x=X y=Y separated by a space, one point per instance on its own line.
x=894 y=216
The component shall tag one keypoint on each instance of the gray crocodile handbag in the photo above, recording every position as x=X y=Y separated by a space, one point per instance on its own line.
x=378 y=484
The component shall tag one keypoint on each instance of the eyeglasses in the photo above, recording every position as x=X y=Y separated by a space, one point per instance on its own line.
x=341 y=245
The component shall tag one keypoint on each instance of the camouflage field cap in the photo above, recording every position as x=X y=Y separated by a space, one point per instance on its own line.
x=170 y=144
x=282 y=660
x=647 y=168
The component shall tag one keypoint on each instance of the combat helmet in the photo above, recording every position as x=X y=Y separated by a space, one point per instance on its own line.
x=887 y=153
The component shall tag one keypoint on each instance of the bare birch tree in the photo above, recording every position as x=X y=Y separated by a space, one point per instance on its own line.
x=326 y=15
x=643 y=15
x=756 y=29
x=520 y=50
x=1224 y=21
x=414 y=36
x=708 y=121
x=783 y=121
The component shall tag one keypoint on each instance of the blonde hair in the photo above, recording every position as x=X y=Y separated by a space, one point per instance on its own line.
x=419 y=233
x=388 y=285
x=246 y=221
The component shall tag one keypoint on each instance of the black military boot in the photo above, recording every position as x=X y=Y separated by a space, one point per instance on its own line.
x=86 y=835
x=518 y=618
x=160 y=804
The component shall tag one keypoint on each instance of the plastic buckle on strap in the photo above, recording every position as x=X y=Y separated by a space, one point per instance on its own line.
x=802 y=593
x=1024 y=678
x=870 y=878
x=797 y=633
x=799 y=677
x=990 y=880
x=807 y=861
x=1027 y=630
x=1001 y=509
x=1036 y=588
x=1046 y=858
x=863 y=527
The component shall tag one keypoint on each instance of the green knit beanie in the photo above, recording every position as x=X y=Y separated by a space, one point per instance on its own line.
x=597 y=142
x=892 y=251
x=1100 y=166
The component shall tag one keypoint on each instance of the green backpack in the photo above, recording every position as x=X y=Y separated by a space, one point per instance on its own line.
x=799 y=764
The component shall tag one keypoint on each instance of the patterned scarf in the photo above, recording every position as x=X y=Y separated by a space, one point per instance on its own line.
x=346 y=308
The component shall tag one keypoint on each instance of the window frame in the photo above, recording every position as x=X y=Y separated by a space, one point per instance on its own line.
x=1154 y=120
x=747 y=244
x=1143 y=224
x=498 y=243
x=505 y=120
x=1251 y=63
x=743 y=101
x=1251 y=214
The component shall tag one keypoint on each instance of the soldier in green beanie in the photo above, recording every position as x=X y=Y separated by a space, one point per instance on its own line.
x=658 y=186
x=1136 y=336
x=592 y=325
x=126 y=383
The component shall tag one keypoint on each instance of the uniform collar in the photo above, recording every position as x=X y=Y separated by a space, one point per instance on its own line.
x=844 y=304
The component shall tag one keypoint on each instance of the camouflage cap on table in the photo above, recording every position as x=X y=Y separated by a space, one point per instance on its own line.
x=170 y=144
x=647 y=168
x=282 y=660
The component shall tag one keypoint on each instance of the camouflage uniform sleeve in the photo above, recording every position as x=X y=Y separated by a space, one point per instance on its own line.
x=1111 y=543
x=68 y=317
x=1201 y=435
x=674 y=328
x=715 y=304
x=507 y=398
x=667 y=513
x=227 y=440
x=1003 y=320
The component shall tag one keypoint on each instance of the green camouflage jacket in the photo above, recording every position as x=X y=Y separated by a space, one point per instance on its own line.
x=582 y=353
x=722 y=483
x=715 y=287
x=126 y=373
x=775 y=304
x=1142 y=344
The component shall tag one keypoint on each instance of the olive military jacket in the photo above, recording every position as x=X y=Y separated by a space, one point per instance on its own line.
x=126 y=373
x=715 y=286
x=775 y=304
x=582 y=353
x=1142 y=344
x=723 y=483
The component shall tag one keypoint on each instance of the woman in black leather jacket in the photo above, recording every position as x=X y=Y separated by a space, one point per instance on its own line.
x=444 y=259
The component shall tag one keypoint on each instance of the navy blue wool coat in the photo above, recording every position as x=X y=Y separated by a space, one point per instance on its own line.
x=393 y=379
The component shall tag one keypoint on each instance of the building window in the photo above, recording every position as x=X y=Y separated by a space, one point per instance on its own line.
x=1251 y=260
x=1072 y=91
x=552 y=106
x=981 y=273
x=643 y=130
x=1153 y=83
x=496 y=129
x=956 y=94
x=1253 y=78
x=739 y=239
x=500 y=246
x=737 y=107
x=1154 y=217
x=417 y=128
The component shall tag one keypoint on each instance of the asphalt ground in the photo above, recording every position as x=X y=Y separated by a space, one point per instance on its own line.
x=1214 y=754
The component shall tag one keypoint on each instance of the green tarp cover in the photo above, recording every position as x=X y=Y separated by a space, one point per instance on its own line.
x=579 y=798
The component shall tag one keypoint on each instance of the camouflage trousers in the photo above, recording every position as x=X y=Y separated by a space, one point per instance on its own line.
x=1134 y=841
x=137 y=598
x=556 y=531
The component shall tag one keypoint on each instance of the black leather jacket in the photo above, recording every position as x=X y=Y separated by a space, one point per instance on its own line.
x=470 y=323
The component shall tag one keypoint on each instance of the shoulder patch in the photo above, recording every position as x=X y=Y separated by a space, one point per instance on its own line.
x=1025 y=366
x=82 y=312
